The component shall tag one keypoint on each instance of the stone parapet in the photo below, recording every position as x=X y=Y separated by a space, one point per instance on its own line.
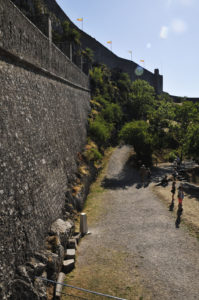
x=22 y=38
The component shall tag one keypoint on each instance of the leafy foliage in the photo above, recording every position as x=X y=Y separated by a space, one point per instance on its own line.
x=93 y=155
x=100 y=131
x=141 y=100
x=136 y=133
x=112 y=113
x=192 y=141
x=88 y=54
x=70 y=34
x=146 y=121
x=38 y=7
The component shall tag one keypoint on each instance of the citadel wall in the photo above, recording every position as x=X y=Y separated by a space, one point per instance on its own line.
x=21 y=38
x=44 y=102
x=105 y=56
x=102 y=54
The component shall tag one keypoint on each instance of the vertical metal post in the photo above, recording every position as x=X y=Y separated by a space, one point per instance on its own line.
x=83 y=224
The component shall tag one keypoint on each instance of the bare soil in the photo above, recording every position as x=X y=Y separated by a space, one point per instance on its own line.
x=134 y=250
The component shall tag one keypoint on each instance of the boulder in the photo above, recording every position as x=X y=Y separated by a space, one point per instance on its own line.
x=38 y=267
x=68 y=265
x=59 y=286
x=63 y=229
x=70 y=254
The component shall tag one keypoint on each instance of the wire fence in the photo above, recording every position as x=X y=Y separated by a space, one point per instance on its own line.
x=80 y=289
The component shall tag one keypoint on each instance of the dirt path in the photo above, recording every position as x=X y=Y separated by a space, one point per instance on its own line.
x=135 y=240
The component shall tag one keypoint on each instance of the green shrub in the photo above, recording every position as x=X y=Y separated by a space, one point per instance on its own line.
x=101 y=101
x=100 y=131
x=38 y=7
x=93 y=155
x=70 y=34
x=112 y=113
x=88 y=54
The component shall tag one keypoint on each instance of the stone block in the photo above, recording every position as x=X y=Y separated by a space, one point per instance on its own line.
x=70 y=254
x=72 y=244
x=62 y=229
x=59 y=287
x=68 y=265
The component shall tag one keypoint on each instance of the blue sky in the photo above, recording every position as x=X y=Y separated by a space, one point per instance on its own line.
x=164 y=33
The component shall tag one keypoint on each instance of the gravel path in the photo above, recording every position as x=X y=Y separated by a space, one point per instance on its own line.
x=138 y=223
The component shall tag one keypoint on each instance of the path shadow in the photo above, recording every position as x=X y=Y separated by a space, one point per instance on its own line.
x=171 y=206
x=179 y=214
x=129 y=176
x=191 y=190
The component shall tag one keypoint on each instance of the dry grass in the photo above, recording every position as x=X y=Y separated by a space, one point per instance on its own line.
x=90 y=145
x=76 y=189
x=84 y=170
x=93 y=205
x=108 y=275
x=190 y=207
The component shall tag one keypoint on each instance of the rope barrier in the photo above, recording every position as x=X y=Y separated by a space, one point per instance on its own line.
x=80 y=289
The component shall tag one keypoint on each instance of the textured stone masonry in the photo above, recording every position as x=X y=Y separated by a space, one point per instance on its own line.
x=20 y=37
x=43 y=126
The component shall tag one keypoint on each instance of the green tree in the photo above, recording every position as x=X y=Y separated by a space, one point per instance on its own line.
x=100 y=81
x=112 y=113
x=186 y=113
x=192 y=141
x=70 y=34
x=161 y=119
x=38 y=7
x=186 y=116
x=88 y=55
x=141 y=100
x=124 y=86
x=136 y=133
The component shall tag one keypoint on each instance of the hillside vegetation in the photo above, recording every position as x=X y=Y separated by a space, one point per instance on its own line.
x=131 y=112
x=123 y=110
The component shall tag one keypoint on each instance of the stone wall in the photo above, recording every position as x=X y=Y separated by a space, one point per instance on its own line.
x=101 y=53
x=20 y=37
x=105 y=56
x=44 y=104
